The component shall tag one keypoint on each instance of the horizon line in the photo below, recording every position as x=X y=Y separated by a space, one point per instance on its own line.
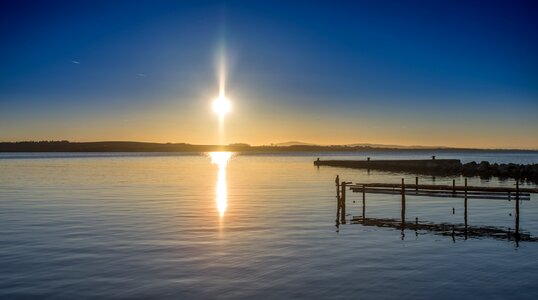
x=286 y=144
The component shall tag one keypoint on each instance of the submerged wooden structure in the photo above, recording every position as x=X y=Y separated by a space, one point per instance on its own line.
x=464 y=192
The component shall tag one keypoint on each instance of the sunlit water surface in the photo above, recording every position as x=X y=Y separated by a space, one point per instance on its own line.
x=234 y=226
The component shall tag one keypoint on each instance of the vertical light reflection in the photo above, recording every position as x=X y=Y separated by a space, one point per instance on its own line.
x=221 y=160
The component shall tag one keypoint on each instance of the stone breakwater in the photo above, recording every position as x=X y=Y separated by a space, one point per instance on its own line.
x=485 y=169
x=441 y=167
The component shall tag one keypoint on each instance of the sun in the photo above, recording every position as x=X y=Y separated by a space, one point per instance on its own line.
x=222 y=106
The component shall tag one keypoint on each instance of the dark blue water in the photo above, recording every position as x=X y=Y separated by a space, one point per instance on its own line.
x=255 y=226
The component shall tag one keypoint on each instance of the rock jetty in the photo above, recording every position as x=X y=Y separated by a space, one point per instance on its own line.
x=441 y=167
x=485 y=169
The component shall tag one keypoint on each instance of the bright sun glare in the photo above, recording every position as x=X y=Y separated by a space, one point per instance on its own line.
x=221 y=106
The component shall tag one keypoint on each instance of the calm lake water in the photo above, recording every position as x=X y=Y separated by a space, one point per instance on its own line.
x=161 y=225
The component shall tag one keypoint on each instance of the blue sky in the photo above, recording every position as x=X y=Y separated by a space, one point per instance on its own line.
x=456 y=73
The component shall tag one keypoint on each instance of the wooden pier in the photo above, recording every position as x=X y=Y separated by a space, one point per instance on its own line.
x=403 y=189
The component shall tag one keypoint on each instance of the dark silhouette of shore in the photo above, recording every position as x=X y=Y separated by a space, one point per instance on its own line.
x=117 y=146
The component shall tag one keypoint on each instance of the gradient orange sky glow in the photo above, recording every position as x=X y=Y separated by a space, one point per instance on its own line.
x=386 y=73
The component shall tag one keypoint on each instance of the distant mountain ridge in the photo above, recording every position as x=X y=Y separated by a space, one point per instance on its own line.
x=396 y=146
x=293 y=143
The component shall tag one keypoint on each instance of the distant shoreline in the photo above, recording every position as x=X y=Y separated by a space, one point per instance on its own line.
x=65 y=146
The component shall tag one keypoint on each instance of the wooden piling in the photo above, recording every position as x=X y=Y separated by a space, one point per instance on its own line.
x=517 y=210
x=403 y=211
x=465 y=204
x=416 y=185
x=363 y=202
x=453 y=186
x=403 y=205
x=343 y=203
x=337 y=181
x=403 y=191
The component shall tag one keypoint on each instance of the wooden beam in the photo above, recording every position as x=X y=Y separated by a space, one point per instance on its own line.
x=445 y=187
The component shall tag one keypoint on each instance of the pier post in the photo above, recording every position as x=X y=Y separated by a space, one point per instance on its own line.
x=403 y=207
x=416 y=185
x=337 y=181
x=343 y=203
x=465 y=204
x=517 y=210
x=403 y=192
x=363 y=202
x=453 y=187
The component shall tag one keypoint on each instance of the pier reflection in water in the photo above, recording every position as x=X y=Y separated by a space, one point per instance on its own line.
x=446 y=229
x=221 y=160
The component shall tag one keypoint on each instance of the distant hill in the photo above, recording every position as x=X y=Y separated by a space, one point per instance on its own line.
x=293 y=143
x=396 y=146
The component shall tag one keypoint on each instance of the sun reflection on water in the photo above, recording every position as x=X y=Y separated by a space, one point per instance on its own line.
x=221 y=160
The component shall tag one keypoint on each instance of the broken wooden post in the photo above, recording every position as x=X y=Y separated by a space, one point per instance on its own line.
x=403 y=205
x=343 y=203
x=517 y=210
x=363 y=202
x=403 y=191
x=465 y=204
x=337 y=181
